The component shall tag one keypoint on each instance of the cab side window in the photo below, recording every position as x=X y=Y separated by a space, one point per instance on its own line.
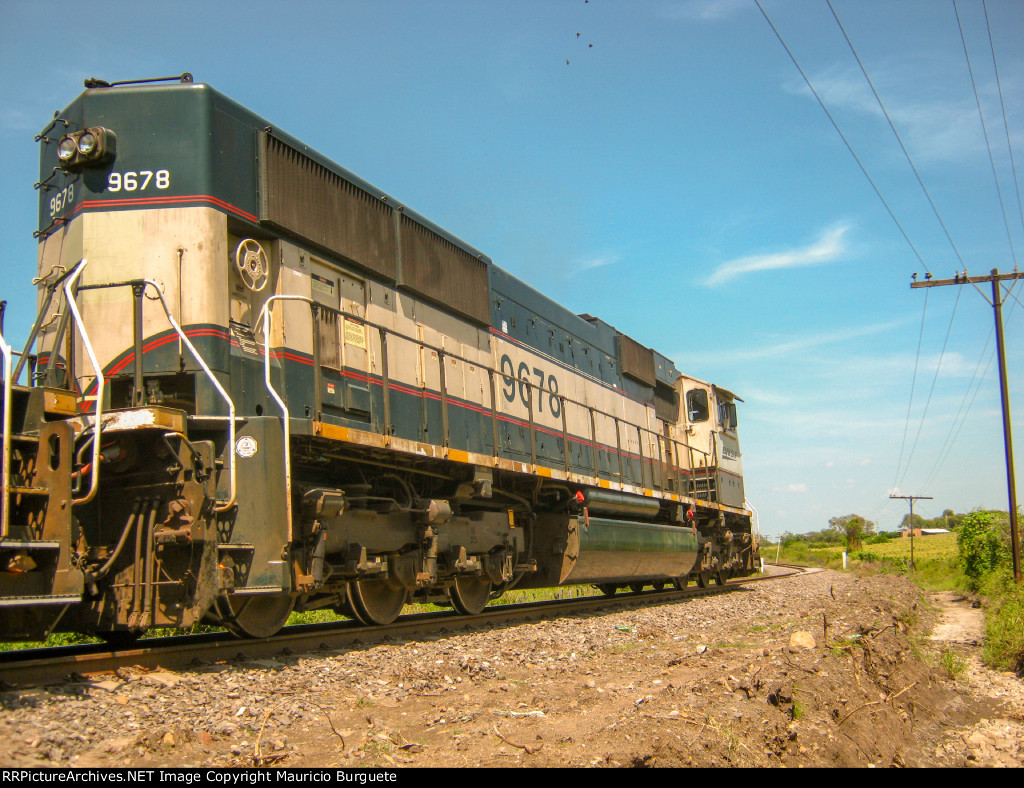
x=697 y=409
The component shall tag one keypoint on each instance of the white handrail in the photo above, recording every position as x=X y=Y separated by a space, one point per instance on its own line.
x=94 y=477
x=265 y=315
x=5 y=516
x=232 y=484
x=100 y=382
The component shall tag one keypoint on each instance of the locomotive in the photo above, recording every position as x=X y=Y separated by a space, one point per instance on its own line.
x=258 y=384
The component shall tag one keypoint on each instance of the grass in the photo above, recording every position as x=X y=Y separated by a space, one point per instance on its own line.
x=1004 y=622
x=954 y=666
x=936 y=566
x=321 y=616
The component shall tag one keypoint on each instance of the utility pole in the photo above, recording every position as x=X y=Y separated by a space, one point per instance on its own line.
x=997 y=306
x=912 y=498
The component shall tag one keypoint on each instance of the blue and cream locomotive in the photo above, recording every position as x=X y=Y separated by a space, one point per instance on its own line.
x=257 y=384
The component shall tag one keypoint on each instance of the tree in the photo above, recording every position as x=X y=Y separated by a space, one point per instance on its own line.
x=853 y=527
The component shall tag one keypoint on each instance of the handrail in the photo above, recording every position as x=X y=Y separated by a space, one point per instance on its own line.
x=94 y=477
x=5 y=516
x=51 y=288
x=232 y=473
x=442 y=354
x=265 y=314
x=134 y=283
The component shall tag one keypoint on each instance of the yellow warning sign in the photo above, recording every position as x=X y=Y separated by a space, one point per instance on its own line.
x=355 y=333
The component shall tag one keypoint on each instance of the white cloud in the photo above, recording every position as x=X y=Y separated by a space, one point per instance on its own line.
x=934 y=127
x=826 y=249
x=798 y=487
x=706 y=10
x=589 y=263
x=800 y=344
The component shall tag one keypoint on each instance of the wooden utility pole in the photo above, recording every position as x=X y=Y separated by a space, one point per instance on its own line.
x=997 y=305
x=912 y=498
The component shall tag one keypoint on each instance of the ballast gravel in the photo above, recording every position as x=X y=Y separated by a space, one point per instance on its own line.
x=823 y=669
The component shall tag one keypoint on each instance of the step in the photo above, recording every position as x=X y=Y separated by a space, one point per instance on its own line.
x=28 y=544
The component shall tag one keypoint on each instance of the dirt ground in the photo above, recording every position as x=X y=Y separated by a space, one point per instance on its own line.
x=820 y=670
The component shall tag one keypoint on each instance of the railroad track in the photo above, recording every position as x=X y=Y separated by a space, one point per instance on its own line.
x=75 y=664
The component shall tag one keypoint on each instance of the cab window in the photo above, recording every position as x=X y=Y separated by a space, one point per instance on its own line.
x=697 y=405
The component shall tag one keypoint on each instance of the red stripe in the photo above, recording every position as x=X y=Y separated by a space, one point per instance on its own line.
x=152 y=201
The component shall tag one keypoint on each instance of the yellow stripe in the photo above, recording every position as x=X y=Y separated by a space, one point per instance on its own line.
x=331 y=431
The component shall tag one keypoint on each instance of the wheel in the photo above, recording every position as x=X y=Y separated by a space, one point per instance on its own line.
x=721 y=577
x=704 y=578
x=659 y=586
x=470 y=594
x=344 y=608
x=680 y=583
x=377 y=601
x=608 y=589
x=255 y=616
x=636 y=588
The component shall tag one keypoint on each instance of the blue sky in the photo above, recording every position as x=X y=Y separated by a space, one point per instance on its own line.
x=676 y=177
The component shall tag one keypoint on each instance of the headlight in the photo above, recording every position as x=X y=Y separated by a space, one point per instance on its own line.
x=66 y=149
x=87 y=143
x=87 y=148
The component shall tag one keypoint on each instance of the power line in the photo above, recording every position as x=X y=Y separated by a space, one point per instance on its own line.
x=913 y=386
x=931 y=391
x=959 y=420
x=892 y=126
x=839 y=131
x=1002 y=104
x=984 y=130
x=997 y=307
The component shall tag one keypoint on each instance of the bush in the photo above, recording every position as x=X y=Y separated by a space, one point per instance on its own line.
x=982 y=545
x=878 y=539
x=1004 y=622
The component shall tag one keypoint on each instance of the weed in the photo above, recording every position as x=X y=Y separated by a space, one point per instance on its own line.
x=954 y=666
x=378 y=746
x=908 y=618
x=1004 y=627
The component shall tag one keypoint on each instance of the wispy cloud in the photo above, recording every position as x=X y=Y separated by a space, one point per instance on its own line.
x=935 y=126
x=580 y=265
x=706 y=10
x=827 y=248
x=773 y=349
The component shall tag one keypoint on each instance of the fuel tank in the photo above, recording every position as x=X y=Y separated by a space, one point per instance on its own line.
x=580 y=549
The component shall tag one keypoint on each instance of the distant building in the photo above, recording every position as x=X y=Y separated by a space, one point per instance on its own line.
x=924 y=531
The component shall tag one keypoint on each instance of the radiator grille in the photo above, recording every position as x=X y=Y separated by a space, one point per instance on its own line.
x=636 y=360
x=437 y=269
x=304 y=198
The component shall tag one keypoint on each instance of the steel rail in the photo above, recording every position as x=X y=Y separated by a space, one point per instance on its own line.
x=40 y=667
